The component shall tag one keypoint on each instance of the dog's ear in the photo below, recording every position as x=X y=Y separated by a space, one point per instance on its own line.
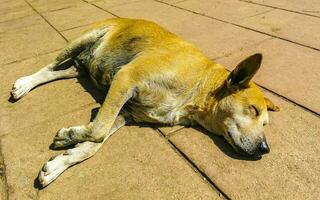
x=271 y=106
x=243 y=73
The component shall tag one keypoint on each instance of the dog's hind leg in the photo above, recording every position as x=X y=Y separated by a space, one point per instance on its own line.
x=23 y=85
x=82 y=151
x=50 y=72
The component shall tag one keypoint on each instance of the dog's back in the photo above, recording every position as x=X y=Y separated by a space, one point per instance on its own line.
x=170 y=67
x=127 y=40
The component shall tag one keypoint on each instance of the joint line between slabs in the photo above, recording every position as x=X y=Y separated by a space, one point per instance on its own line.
x=278 y=8
x=34 y=56
x=234 y=24
x=168 y=135
x=46 y=20
x=291 y=101
x=100 y=8
x=202 y=175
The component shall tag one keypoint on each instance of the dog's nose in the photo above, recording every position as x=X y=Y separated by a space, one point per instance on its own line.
x=263 y=147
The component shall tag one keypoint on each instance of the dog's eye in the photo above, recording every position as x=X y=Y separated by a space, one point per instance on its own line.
x=255 y=111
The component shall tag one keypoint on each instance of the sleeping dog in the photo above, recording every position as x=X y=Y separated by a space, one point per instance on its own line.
x=153 y=76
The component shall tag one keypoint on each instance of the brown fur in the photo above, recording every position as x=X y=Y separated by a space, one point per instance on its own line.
x=155 y=76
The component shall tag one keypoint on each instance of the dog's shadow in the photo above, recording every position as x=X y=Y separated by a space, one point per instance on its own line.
x=224 y=146
x=97 y=94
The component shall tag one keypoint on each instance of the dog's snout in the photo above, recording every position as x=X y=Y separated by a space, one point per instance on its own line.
x=263 y=147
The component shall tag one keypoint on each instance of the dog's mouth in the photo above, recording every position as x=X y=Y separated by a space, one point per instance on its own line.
x=253 y=154
x=256 y=155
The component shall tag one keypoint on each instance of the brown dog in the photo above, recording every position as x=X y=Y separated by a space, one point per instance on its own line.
x=154 y=76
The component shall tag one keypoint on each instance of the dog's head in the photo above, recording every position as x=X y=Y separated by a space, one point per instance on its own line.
x=241 y=111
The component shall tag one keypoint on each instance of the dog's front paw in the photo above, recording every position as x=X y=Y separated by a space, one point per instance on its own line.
x=21 y=87
x=69 y=136
x=65 y=137
x=51 y=170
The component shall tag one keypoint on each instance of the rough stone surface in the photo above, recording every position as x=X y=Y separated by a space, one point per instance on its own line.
x=79 y=15
x=3 y=186
x=262 y=19
x=232 y=10
x=11 y=10
x=27 y=37
x=168 y=130
x=292 y=26
x=307 y=7
x=74 y=33
x=107 y=4
x=47 y=6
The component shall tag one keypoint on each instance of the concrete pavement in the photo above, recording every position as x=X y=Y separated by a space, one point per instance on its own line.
x=169 y=162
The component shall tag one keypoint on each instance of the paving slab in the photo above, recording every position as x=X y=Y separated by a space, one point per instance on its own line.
x=25 y=151
x=3 y=186
x=10 y=10
x=292 y=26
x=107 y=4
x=47 y=6
x=166 y=130
x=3 y=192
x=43 y=103
x=290 y=171
x=214 y=38
x=27 y=37
x=310 y=7
x=288 y=69
x=74 y=33
x=135 y=163
x=232 y=10
x=20 y=24
x=75 y=16
x=262 y=19
x=171 y=1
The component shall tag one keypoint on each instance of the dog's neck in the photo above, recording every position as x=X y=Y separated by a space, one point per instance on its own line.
x=211 y=90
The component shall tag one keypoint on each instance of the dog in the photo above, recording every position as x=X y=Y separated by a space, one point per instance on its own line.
x=153 y=76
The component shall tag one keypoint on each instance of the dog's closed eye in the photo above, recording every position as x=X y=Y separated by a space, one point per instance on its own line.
x=255 y=110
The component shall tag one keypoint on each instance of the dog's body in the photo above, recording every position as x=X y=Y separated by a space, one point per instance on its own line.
x=154 y=76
